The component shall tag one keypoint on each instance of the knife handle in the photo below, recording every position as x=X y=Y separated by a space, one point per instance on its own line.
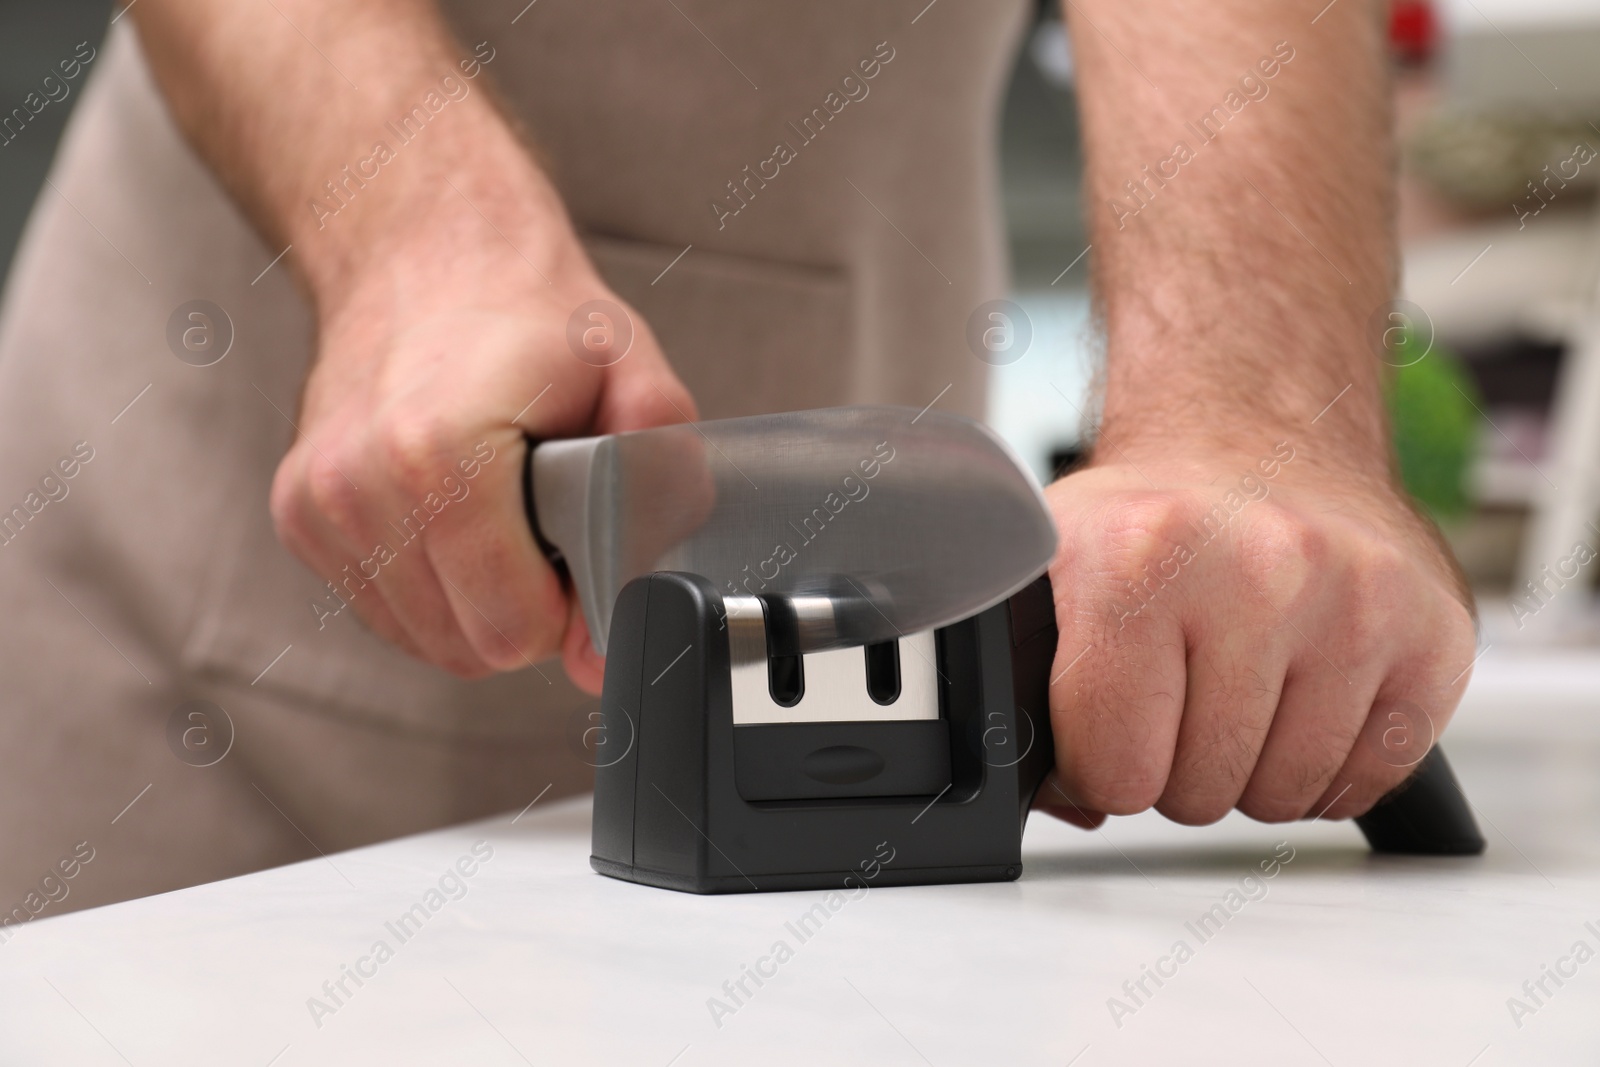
x=1426 y=815
x=530 y=505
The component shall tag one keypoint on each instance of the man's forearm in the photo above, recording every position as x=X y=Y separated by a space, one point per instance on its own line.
x=1241 y=198
x=339 y=124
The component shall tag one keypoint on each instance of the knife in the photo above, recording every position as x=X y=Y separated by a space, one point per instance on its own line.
x=873 y=522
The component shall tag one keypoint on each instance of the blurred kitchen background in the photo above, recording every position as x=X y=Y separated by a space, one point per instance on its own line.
x=1498 y=406
x=1496 y=396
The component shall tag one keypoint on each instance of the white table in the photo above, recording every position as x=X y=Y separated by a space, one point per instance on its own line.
x=1346 y=959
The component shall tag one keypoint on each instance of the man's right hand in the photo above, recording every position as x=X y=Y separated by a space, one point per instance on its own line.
x=436 y=364
x=444 y=272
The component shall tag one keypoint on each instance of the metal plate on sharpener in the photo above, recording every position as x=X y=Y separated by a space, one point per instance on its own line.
x=835 y=682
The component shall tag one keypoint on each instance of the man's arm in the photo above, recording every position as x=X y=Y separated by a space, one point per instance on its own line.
x=1246 y=597
x=443 y=270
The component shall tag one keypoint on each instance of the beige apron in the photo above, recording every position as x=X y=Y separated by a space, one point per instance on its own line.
x=841 y=271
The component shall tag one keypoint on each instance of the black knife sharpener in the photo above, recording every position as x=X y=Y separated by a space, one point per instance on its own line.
x=701 y=803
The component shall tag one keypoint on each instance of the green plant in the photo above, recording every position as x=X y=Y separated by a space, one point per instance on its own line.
x=1436 y=424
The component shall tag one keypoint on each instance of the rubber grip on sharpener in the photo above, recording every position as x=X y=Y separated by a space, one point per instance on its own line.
x=1428 y=815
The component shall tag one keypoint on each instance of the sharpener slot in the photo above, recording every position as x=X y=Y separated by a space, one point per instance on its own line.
x=888 y=682
x=883 y=672
x=849 y=722
x=786 y=674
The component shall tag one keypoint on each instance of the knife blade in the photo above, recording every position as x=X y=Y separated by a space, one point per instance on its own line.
x=868 y=522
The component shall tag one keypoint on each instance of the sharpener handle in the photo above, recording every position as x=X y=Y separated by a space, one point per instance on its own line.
x=1428 y=815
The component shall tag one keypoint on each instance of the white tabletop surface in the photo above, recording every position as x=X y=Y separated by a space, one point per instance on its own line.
x=1341 y=958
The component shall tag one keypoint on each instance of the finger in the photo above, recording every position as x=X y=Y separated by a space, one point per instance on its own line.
x=584 y=665
x=505 y=596
x=1413 y=706
x=642 y=391
x=1318 y=717
x=1306 y=588
x=305 y=531
x=421 y=604
x=1378 y=763
x=507 y=599
x=388 y=522
x=1119 y=676
x=1053 y=800
x=365 y=599
x=1233 y=686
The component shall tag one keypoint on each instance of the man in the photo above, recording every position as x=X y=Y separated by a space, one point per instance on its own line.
x=394 y=260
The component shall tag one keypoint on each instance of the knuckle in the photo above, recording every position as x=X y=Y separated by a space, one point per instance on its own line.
x=1141 y=544
x=286 y=505
x=1146 y=525
x=1383 y=594
x=1381 y=565
x=331 y=494
x=1377 y=580
x=1280 y=552
x=415 y=450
